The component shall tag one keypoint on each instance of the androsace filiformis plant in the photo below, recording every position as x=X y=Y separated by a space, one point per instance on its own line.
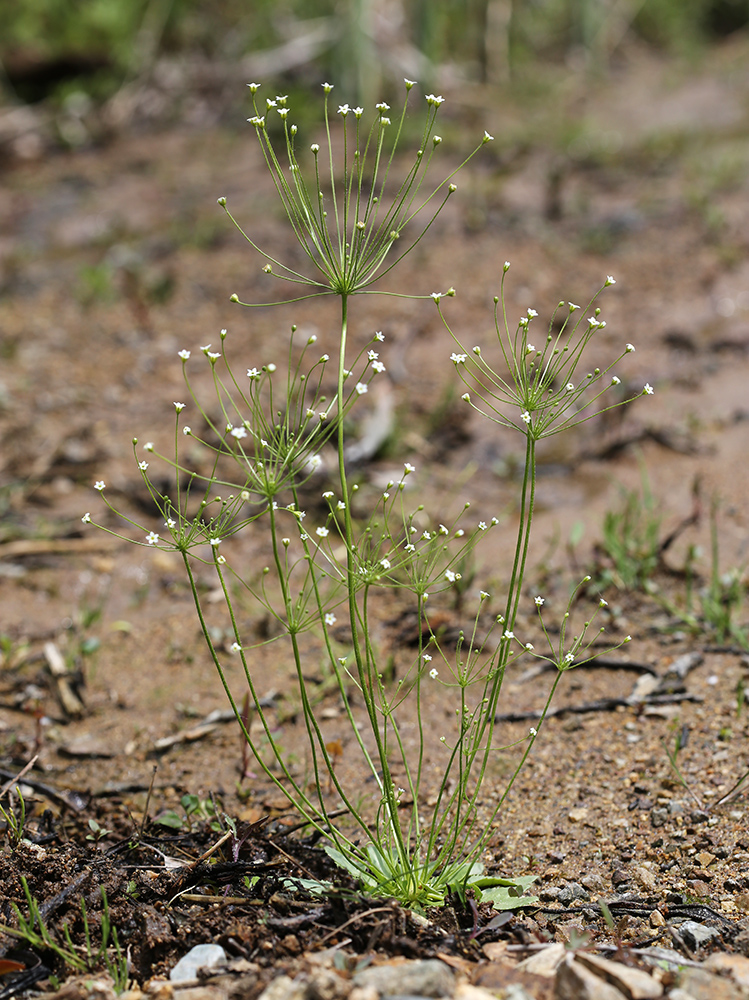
x=355 y=221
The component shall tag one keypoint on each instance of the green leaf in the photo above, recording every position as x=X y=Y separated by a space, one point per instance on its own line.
x=507 y=893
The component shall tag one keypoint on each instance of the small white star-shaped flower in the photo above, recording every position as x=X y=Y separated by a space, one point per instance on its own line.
x=609 y=280
x=152 y=538
x=525 y=416
x=482 y=525
x=458 y=359
x=142 y=466
x=100 y=485
x=330 y=619
x=179 y=407
x=184 y=355
x=86 y=518
x=450 y=576
x=433 y=673
x=540 y=601
x=648 y=389
x=615 y=380
x=239 y=432
x=361 y=388
x=379 y=336
x=321 y=532
x=507 y=634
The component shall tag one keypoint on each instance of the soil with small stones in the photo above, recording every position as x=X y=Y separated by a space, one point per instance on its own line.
x=113 y=258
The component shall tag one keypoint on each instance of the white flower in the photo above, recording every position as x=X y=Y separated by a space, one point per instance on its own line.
x=343 y=109
x=540 y=601
x=436 y=296
x=487 y=137
x=532 y=313
x=647 y=389
x=170 y=522
x=426 y=536
x=379 y=336
x=427 y=658
x=330 y=619
x=529 y=646
x=314 y=462
x=101 y=485
x=385 y=563
x=603 y=604
x=86 y=519
x=409 y=83
x=569 y=658
x=458 y=359
x=483 y=596
x=183 y=354
x=494 y=520
x=572 y=306
x=142 y=466
x=443 y=530
x=361 y=388
x=221 y=559
x=459 y=533
x=379 y=367
x=386 y=495
x=450 y=576
x=321 y=532
x=630 y=349
x=529 y=349
x=433 y=672
x=372 y=355
x=186 y=430
x=148 y=446
x=358 y=112
x=592 y=321
x=507 y=634
x=152 y=538
x=179 y=407
x=525 y=416
x=506 y=266
x=482 y=526
x=466 y=397
x=532 y=732
x=253 y=373
x=315 y=147
x=435 y=101
x=239 y=432
x=408 y=467
x=410 y=548
x=215 y=542
x=627 y=638
x=328 y=495
x=609 y=280
x=327 y=87
x=615 y=380
x=569 y=387
x=235 y=647
x=271 y=367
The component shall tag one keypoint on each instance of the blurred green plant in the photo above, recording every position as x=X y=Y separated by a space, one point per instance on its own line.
x=631 y=540
x=362 y=41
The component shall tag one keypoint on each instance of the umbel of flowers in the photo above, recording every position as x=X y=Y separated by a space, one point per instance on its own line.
x=242 y=461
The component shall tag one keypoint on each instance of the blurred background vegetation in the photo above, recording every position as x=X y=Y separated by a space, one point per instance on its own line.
x=50 y=49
